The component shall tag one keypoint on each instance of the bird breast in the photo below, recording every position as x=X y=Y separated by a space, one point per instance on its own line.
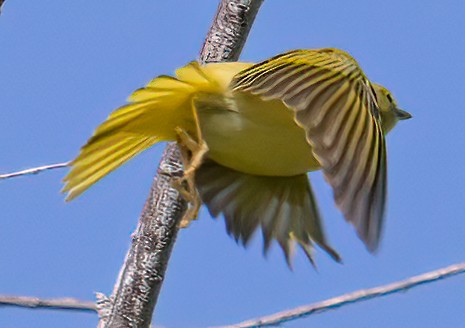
x=250 y=135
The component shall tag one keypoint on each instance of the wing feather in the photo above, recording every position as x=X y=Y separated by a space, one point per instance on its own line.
x=335 y=104
x=284 y=207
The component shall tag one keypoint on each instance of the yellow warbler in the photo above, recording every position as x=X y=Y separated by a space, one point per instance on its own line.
x=251 y=132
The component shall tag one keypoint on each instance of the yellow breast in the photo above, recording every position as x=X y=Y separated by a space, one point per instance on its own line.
x=254 y=136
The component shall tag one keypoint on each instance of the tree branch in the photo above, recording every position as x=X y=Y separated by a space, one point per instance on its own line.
x=48 y=303
x=354 y=297
x=272 y=320
x=34 y=170
x=137 y=288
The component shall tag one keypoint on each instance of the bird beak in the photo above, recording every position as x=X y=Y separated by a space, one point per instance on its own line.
x=402 y=114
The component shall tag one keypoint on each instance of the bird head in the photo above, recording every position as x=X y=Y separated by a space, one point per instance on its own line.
x=390 y=113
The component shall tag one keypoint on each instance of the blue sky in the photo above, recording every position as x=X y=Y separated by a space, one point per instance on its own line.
x=64 y=65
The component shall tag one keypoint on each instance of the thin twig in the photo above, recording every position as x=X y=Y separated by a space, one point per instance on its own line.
x=34 y=170
x=354 y=297
x=48 y=303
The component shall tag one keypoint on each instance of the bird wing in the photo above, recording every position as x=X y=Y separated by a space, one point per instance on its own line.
x=335 y=104
x=284 y=207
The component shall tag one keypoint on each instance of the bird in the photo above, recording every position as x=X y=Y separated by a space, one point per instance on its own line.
x=249 y=133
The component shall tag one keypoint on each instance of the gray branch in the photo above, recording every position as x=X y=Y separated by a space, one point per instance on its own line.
x=280 y=318
x=271 y=320
x=48 y=303
x=34 y=170
x=229 y=30
x=138 y=286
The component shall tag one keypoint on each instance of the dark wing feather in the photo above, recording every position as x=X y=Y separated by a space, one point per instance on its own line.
x=335 y=104
x=284 y=207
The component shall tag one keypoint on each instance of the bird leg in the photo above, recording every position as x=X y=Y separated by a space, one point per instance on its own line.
x=192 y=155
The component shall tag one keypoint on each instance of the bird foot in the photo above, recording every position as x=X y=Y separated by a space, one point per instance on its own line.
x=191 y=196
x=192 y=155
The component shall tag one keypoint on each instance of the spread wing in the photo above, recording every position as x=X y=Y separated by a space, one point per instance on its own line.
x=284 y=207
x=336 y=105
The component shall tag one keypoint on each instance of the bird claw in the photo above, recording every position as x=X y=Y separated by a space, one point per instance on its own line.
x=192 y=154
x=182 y=185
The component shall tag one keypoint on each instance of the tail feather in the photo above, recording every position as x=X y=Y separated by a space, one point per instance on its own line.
x=193 y=73
x=148 y=93
x=103 y=154
x=168 y=82
x=284 y=207
x=87 y=172
x=152 y=115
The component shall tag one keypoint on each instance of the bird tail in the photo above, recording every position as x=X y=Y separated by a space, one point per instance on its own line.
x=284 y=207
x=151 y=116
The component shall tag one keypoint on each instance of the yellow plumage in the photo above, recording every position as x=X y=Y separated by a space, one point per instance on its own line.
x=264 y=127
x=152 y=116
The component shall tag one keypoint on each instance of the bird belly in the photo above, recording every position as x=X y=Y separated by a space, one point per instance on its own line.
x=255 y=137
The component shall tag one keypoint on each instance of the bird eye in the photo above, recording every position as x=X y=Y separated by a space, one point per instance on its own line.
x=389 y=97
